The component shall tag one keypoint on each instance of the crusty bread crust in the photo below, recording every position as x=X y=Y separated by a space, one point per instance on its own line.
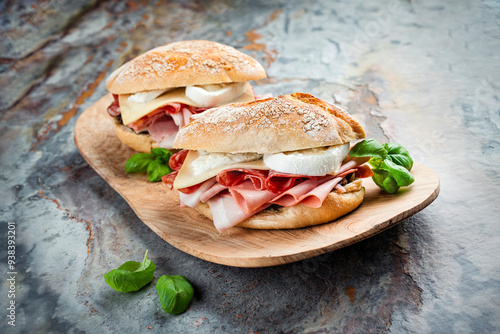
x=335 y=206
x=184 y=63
x=284 y=123
x=141 y=142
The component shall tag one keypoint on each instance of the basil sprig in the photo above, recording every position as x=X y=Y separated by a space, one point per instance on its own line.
x=131 y=276
x=154 y=164
x=175 y=293
x=391 y=163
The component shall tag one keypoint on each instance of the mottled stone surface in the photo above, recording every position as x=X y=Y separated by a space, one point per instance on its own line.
x=422 y=73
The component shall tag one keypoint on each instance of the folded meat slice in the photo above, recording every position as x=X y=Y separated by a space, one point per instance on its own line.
x=163 y=130
x=192 y=199
x=226 y=212
x=311 y=192
x=163 y=123
x=248 y=198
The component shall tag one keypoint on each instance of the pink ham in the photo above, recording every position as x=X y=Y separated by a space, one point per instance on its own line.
x=311 y=193
x=163 y=130
x=213 y=191
x=186 y=114
x=164 y=127
x=248 y=198
x=193 y=198
x=162 y=123
x=226 y=212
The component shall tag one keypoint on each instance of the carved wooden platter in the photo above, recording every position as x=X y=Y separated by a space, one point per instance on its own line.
x=185 y=229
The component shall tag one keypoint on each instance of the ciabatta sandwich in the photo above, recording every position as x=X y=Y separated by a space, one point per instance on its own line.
x=276 y=163
x=156 y=92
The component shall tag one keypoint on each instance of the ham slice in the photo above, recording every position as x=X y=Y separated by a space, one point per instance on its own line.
x=226 y=212
x=164 y=127
x=248 y=198
x=340 y=188
x=213 y=191
x=192 y=199
x=162 y=123
x=142 y=124
x=311 y=192
x=163 y=130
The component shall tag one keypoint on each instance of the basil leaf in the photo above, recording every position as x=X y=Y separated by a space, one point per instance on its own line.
x=383 y=179
x=399 y=155
x=175 y=293
x=161 y=154
x=368 y=148
x=131 y=276
x=402 y=176
x=376 y=162
x=138 y=163
x=157 y=169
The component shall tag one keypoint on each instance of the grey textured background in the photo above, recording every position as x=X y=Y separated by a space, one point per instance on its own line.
x=422 y=73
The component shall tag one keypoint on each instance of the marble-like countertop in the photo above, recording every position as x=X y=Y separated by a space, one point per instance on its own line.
x=422 y=73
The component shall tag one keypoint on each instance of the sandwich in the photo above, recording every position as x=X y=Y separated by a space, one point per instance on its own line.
x=156 y=93
x=275 y=163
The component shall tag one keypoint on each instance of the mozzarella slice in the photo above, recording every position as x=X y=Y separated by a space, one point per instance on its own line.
x=209 y=161
x=189 y=176
x=132 y=111
x=312 y=162
x=144 y=97
x=216 y=94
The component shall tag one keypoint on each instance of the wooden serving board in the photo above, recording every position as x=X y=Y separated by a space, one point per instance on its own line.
x=194 y=234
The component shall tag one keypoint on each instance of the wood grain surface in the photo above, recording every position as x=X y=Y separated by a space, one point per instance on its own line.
x=194 y=234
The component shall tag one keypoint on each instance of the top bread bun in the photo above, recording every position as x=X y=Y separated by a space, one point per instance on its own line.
x=185 y=63
x=285 y=123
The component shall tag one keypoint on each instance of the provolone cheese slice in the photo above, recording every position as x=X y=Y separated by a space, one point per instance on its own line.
x=187 y=178
x=132 y=111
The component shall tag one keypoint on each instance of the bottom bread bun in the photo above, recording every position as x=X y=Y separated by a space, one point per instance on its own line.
x=141 y=142
x=336 y=205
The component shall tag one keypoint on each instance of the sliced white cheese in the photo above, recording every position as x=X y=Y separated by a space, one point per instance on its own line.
x=312 y=162
x=212 y=95
x=132 y=111
x=187 y=176
x=208 y=161
x=147 y=96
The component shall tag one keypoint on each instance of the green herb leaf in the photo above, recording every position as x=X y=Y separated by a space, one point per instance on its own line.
x=402 y=176
x=157 y=169
x=391 y=163
x=154 y=164
x=175 y=293
x=138 y=163
x=161 y=154
x=131 y=276
x=383 y=179
x=368 y=148
x=399 y=155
